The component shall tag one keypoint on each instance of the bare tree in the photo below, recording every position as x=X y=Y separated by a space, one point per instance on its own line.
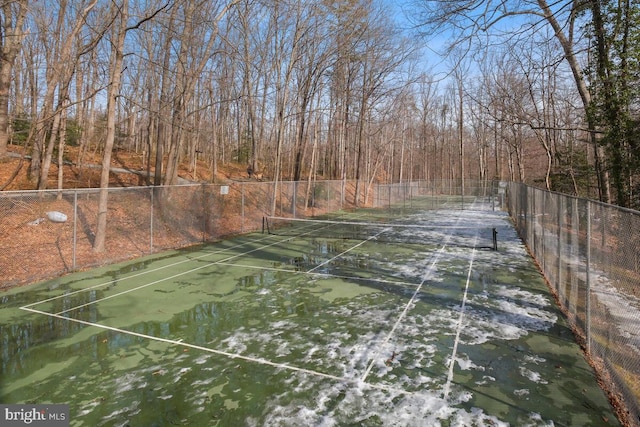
x=119 y=32
x=193 y=56
x=115 y=79
x=12 y=34
x=288 y=28
x=474 y=20
x=63 y=52
x=314 y=61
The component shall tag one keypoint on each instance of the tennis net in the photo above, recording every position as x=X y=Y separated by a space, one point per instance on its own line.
x=383 y=232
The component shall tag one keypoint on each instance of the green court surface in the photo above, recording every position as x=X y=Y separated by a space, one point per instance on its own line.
x=406 y=326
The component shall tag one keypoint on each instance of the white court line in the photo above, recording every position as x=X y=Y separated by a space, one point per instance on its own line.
x=348 y=250
x=155 y=282
x=143 y=273
x=459 y=327
x=327 y=275
x=227 y=354
x=426 y=276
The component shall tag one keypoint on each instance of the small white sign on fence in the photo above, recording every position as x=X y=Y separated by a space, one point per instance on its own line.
x=224 y=190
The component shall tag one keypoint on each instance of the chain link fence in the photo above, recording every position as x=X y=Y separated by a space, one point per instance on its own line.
x=465 y=193
x=590 y=254
x=588 y=251
x=48 y=233
x=35 y=243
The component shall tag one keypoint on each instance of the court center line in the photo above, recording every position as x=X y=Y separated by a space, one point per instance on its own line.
x=452 y=362
x=226 y=353
x=409 y=304
x=426 y=276
x=348 y=250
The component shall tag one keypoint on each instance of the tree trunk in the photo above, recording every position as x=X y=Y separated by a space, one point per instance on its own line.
x=115 y=79
x=13 y=16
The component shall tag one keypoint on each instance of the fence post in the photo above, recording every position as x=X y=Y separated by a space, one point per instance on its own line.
x=588 y=281
x=242 y=206
x=75 y=228
x=294 y=197
x=205 y=212
x=411 y=185
x=151 y=189
x=559 y=257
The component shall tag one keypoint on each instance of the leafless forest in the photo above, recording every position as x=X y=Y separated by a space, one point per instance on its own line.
x=369 y=90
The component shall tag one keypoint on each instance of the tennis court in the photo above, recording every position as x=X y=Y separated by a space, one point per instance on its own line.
x=410 y=316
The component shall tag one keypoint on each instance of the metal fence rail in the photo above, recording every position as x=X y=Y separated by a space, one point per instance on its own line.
x=590 y=254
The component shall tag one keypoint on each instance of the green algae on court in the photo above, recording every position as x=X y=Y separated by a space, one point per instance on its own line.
x=242 y=332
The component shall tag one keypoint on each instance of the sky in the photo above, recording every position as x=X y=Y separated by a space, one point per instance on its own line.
x=432 y=61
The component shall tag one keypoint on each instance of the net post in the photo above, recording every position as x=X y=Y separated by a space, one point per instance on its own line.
x=495 y=239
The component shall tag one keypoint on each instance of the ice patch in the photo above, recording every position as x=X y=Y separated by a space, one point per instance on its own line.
x=466 y=364
x=131 y=410
x=532 y=376
x=485 y=380
x=234 y=343
x=180 y=374
x=283 y=349
x=206 y=381
x=202 y=359
x=527 y=317
x=475 y=417
x=127 y=382
x=89 y=407
x=516 y=293
x=537 y=421
x=534 y=359
x=358 y=404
